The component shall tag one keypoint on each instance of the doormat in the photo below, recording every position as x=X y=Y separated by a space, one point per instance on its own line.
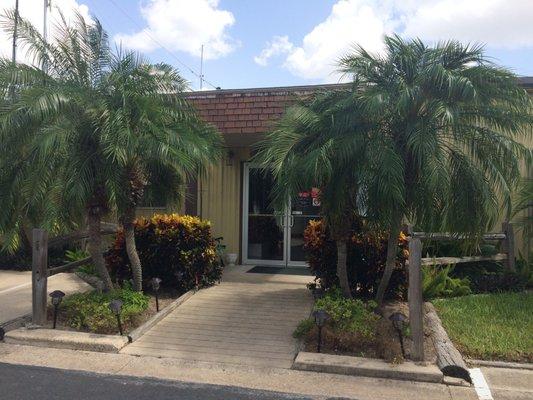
x=264 y=269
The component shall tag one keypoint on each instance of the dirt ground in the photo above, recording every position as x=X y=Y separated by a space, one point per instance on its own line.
x=385 y=344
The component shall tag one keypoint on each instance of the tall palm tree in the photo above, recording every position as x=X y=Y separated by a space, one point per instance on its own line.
x=51 y=126
x=426 y=134
x=166 y=141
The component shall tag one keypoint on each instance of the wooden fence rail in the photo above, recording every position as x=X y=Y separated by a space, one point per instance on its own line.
x=415 y=263
x=41 y=272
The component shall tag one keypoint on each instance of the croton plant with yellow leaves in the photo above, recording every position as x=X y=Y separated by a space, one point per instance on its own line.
x=367 y=254
x=179 y=249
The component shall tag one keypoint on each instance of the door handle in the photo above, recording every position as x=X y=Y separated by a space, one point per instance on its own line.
x=291 y=221
x=281 y=217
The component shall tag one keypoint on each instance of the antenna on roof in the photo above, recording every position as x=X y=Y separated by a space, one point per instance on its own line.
x=202 y=67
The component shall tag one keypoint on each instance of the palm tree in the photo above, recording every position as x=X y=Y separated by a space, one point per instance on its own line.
x=166 y=141
x=426 y=134
x=305 y=150
x=90 y=132
x=51 y=126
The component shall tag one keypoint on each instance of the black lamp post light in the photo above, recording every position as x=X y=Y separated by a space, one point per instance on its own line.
x=399 y=322
x=321 y=317
x=116 y=306
x=156 y=284
x=57 y=298
x=318 y=293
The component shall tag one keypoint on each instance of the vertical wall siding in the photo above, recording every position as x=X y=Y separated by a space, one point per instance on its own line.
x=220 y=194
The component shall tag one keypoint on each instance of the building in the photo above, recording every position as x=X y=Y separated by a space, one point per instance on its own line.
x=234 y=194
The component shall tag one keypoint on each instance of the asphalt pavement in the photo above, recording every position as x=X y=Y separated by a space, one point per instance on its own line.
x=20 y=382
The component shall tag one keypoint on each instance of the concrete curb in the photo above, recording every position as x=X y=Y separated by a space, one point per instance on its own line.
x=369 y=367
x=66 y=340
x=500 y=364
x=141 y=330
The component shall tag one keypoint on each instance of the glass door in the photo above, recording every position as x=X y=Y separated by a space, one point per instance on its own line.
x=303 y=209
x=264 y=229
x=274 y=237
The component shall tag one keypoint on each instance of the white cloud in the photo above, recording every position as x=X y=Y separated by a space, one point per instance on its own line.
x=29 y=11
x=350 y=21
x=504 y=24
x=278 y=46
x=183 y=25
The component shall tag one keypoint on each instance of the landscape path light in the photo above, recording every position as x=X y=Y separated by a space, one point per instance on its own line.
x=57 y=298
x=321 y=317
x=156 y=284
x=116 y=306
x=399 y=322
x=318 y=293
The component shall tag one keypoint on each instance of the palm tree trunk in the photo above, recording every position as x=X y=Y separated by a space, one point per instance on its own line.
x=342 y=268
x=128 y=220
x=392 y=249
x=94 y=247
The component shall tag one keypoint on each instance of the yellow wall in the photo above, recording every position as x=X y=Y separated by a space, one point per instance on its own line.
x=220 y=198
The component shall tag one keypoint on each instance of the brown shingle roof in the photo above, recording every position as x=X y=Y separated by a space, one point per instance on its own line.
x=251 y=111
x=248 y=111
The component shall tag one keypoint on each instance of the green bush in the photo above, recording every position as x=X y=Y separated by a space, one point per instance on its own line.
x=493 y=277
x=304 y=327
x=367 y=254
x=77 y=255
x=349 y=315
x=90 y=311
x=437 y=282
x=179 y=249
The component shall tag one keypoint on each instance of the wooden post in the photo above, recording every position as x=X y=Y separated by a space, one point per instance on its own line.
x=508 y=246
x=39 y=276
x=416 y=302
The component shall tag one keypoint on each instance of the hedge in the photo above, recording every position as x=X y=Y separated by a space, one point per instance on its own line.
x=367 y=253
x=179 y=249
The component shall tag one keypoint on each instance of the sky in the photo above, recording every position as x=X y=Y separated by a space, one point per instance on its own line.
x=260 y=43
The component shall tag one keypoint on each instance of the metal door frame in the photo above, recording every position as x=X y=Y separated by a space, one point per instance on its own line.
x=284 y=220
x=287 y=221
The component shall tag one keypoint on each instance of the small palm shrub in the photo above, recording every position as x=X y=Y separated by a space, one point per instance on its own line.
x=179 y=249
x=367 y=254
x=438 y=282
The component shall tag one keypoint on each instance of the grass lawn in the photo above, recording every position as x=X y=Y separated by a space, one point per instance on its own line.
x=490 y=326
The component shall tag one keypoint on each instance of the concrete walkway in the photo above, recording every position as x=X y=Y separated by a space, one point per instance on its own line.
x=248 y=319
x=15 y=291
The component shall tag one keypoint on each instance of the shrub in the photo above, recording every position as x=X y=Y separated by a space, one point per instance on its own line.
x=349 y=315
x=90 y=311
x=367 y=253
x=492 y=277
x=179 y=249
x=437 y=282
x=77 y=255
x=304 y=327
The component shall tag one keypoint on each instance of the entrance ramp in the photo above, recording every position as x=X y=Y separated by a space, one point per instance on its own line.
x=248 y=319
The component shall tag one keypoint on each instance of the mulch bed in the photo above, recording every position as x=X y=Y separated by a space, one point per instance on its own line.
x=385 y=344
